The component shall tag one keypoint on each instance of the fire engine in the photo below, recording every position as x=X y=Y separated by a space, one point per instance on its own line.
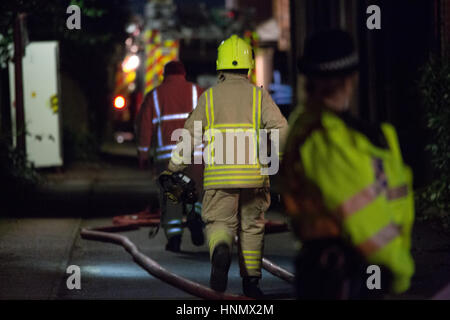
x=156 y=40
x=148 y=48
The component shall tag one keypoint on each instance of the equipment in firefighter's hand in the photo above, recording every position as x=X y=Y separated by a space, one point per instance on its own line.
x=178 y=187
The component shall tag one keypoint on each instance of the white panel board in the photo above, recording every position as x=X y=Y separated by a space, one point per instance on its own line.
x=42 y=104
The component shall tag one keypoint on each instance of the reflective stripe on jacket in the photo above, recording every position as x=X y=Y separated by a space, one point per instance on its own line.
x=340 y=183
x=233 y=107
x=164 y=110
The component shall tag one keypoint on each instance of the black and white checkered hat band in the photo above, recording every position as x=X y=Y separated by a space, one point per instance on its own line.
x=336 y=65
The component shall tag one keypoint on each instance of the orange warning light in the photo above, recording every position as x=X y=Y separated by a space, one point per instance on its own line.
x=119 y=102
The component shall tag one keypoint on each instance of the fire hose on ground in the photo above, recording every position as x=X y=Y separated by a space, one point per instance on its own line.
x=104 y=234
x=156 y=270
x=173 y=279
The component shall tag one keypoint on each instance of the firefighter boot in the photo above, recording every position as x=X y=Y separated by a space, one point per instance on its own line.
x=220 y=264
x=174 y=243
x=195 y=225
x=251 y=287
x=196 y=228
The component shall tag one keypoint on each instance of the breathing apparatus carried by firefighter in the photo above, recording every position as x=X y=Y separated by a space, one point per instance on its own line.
x=178 y=187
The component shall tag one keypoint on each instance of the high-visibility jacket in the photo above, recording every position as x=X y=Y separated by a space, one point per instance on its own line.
x=233 y=106
x=339 y=183
x=164 y=110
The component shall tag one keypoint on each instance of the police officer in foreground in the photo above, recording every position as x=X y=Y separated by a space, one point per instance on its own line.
x=236 y=194
x=346 y=187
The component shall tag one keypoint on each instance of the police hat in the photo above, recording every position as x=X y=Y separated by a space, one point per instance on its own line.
x=329 y=53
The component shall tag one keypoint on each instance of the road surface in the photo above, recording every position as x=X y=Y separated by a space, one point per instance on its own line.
x=37 y=248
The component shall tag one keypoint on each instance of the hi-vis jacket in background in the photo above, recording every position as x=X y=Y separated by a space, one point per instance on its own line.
x=338 y=183
x=164 y=110
x=233 y=105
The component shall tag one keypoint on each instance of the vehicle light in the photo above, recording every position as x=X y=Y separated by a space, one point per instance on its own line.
x=130 y=63
x=119 y=102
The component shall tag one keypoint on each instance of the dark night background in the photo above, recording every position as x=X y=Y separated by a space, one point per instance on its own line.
x=404 y=79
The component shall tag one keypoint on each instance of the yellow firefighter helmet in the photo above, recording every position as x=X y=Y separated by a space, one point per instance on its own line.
x=234 y=53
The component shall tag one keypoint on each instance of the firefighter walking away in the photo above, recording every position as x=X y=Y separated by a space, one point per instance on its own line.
x=164 y=110
x=236 y=194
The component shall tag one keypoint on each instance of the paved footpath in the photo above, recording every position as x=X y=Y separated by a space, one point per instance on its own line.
x=36 y=250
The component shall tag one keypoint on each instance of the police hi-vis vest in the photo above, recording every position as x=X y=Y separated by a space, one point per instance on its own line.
x=366 y=190
x=163 y=152
x=222 y=174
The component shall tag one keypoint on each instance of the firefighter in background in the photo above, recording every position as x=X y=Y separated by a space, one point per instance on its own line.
x=164 y=110
x=346 y=186
x=236 y=195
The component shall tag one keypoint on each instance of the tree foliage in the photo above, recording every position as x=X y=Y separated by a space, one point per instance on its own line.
x=17 y=175
x=435 y=91
x=87 y=56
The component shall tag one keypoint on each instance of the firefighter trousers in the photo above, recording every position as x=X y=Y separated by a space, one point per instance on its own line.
x=171 y=213
x=171 y=216
x=228 y=213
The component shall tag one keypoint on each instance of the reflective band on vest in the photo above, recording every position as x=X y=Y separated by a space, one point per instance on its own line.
x=166 y=148
x=173 y=231
x=397 y=193
x=160 y=118
x=228 y=175
x=361 y=199
x=164 y=152
x=163 y=156
x=174 y=221
x=176 y=116
x=194 y=96
x=369 y=194
x=158 y=115
x=380 y=239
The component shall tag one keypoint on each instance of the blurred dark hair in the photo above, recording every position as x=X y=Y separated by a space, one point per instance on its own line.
x=326 y=85
x=174 y=67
